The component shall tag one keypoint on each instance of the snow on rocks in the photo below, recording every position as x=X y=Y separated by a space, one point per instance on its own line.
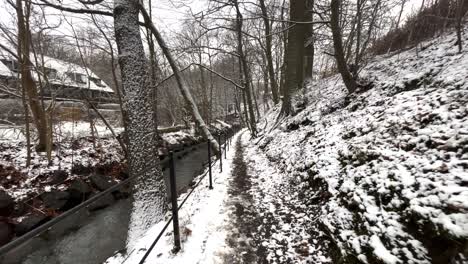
x=387 y=166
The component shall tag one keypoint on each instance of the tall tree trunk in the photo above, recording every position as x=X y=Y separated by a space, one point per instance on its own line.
x=338 y=46
x=358 y=38
x=397 y=26
x=255 y=97
x=210 y=101
x=205 y=103
x=244 y=101
x=372 y=25
x=269 y=56
x=295 y=53
x=245 y=69
x=27 y=81
x=149 y=204
x=265 y=98
x=459 y=24
x=284 y=37
x=403 y=2
x=27 y=127
x=310 y=44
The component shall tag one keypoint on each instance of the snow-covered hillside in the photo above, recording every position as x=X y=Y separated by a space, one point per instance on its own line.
x=388 y=168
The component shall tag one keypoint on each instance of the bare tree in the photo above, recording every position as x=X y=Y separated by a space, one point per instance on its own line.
x=180 y=82
x=245 y=68
x=268 y=53
x=348 y=80
x=459 y=25
x=27 y=81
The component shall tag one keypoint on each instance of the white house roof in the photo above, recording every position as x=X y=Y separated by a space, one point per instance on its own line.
x=63 y=70
x=4 y=71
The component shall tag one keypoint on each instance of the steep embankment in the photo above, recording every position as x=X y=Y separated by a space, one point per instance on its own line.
x=389 y=166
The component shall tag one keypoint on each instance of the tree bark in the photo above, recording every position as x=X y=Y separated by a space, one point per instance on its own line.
x=295 y=53
x=348 y=80
x=459 y=24
x=269 y=56
x=149 y=204
x=27 y=81
x=205 y=103
x=310 y=47
x=358 y=37
x=284 y=38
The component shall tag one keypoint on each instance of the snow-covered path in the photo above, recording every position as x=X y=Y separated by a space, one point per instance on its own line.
x=289 y=231
x=243 y=239
x=253 y=215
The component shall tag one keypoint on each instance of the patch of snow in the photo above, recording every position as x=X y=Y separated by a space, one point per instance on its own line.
x=396 y=154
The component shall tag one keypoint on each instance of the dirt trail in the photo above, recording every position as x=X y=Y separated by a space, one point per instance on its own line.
x=243 y=237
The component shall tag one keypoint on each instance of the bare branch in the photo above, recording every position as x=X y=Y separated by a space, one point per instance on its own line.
x=73 y=10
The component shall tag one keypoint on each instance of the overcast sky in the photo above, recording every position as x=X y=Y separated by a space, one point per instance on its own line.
x=168 y=14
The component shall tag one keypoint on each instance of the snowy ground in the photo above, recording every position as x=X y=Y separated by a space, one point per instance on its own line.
x=62 y=130
x=75 y=153
x=391 y=166
x=253 y=215
x=288 y=232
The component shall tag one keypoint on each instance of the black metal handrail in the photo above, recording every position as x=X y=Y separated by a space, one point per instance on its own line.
x=174 y=198
x=49 y=224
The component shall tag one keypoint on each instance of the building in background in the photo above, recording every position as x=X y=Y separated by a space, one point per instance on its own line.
x=60 y=80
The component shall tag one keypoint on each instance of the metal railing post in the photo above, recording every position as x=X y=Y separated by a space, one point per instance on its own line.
x=220 y=154
x=225 y=146
x=175 y=213
x=209 y=165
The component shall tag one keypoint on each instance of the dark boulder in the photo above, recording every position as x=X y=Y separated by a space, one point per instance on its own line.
x=58 y=177
x=101 y=182
x=30 y=222
x=7 y=204
x=6 y=232
x=292 y=126
x=79 y=169
x=56 y=200
x=101 y=203
x=79 y=190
